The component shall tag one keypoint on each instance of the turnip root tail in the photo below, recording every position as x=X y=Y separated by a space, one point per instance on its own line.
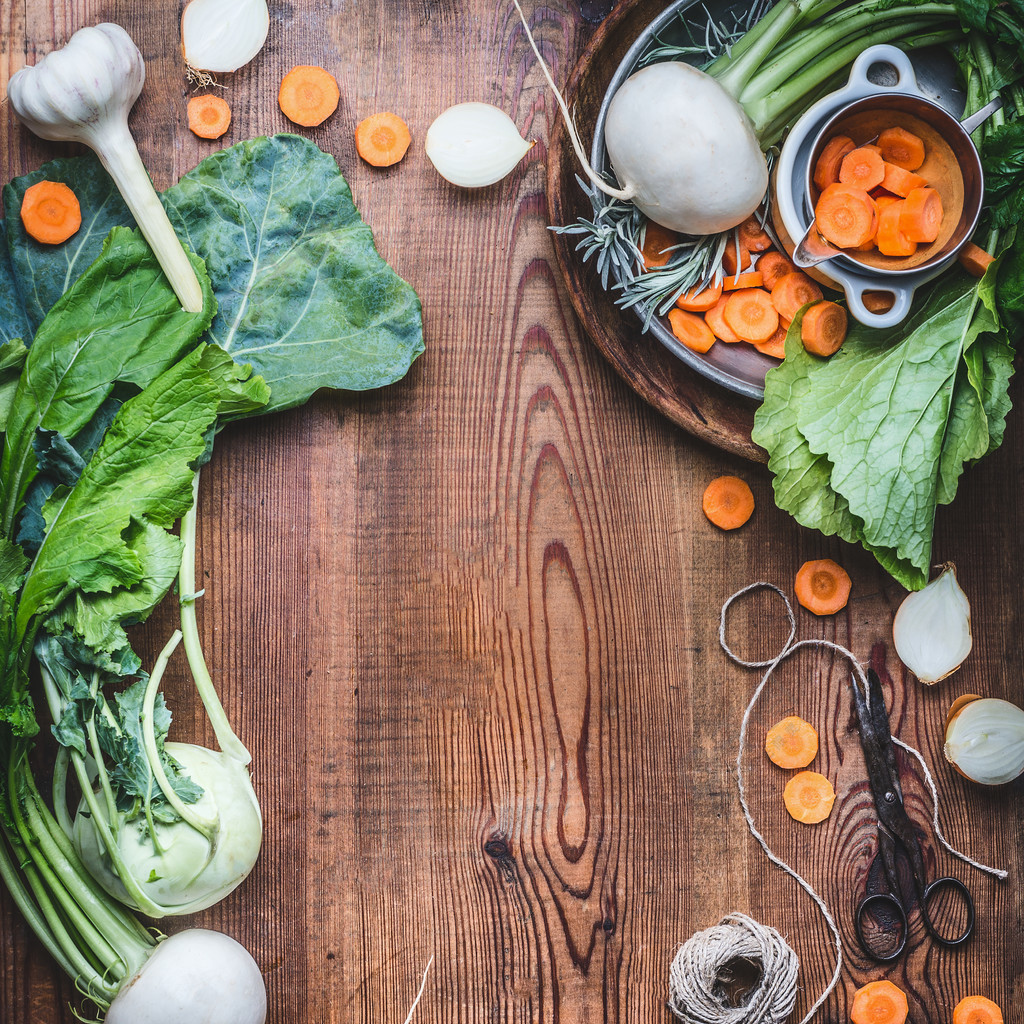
x=577 y=145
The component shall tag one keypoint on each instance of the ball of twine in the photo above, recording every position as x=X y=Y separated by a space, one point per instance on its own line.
x=698 y=972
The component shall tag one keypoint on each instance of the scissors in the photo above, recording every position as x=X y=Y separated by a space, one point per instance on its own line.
x=896 y=833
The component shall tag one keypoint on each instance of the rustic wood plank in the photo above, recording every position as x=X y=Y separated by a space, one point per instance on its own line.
x=468 y=625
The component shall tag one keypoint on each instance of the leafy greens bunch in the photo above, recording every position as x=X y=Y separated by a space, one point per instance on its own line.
x=110 y=396
x=868 y=443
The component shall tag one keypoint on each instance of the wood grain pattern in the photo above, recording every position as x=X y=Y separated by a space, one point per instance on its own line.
x=468 y=624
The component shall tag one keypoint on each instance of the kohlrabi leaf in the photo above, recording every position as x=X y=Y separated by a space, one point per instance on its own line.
x=120 y=321
x=45 y=272
x=12 y=361
x=302 y=293
x=13 y=321
x=142 y=473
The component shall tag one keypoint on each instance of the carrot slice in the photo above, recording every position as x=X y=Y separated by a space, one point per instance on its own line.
x=750 y=313
x=382 y=139
x=921 y=215
x=977 y=1010
x=901 y=182
x=208 y=116
x=753 y=236
x=822 y=586
x=690 y=329
x=308 y=95
x=792 y=292
x=658 y=241
x=879 y=1002
x=772 y=266
x=50 y=212
x=975 y=260
x=733 y=263
x=902 y=148
x=728 y=502
x=890 y=238
x=878 y=302
x=775 y=346
x=751 y=279
x=862 y=167
x=791 y=743
x=826 y=167
x=846 y=216
x=823 y=328
x=809 y=797
x=715 y=319
x=702 y=300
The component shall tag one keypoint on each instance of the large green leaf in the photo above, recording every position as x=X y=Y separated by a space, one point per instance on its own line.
x=13 y=321
x=302 y=293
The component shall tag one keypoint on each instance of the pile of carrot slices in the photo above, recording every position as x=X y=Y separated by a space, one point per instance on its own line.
x=754 y=300
x=872 y=199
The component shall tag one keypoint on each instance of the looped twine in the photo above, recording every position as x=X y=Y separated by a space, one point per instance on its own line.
x=696 y=992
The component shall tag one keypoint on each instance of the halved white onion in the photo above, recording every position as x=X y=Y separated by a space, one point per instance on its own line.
x=932 y=628
x=474 y=144
x=222 y=35
x=985 y=739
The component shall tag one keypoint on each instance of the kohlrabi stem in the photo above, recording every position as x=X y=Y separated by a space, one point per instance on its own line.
x=204 y=826
x=226 y=738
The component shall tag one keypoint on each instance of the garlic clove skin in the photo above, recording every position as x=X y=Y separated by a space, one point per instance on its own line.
x=474 y=144
x=932 y=628
x=220 y=36
x=985 y=740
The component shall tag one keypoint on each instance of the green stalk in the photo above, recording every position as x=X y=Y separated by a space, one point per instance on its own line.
x=226 y=738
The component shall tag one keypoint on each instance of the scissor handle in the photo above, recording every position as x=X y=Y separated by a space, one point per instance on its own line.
x=873 y=903
x=965 y=896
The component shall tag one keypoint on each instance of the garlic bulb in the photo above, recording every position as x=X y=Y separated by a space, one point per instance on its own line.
x=932 y=628
x=222 y=35
x=985 y=740
x=474 y=144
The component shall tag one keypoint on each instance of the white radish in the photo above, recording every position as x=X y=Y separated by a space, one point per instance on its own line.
x=193 y=977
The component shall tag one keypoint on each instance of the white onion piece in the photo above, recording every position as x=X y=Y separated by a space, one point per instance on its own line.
x=985 y=741
x=474 y=144
x=222 y=35
x=932 y=628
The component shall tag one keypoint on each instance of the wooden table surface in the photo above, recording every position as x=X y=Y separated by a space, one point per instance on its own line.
x=468 y=625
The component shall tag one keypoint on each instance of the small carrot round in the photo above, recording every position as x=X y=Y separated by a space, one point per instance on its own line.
x=208 y=116
x=890 y=237
x=733 y=262
x=792 y=292
x=753 y=236
x=702 y=300
x=791 y=743
x=772 y=266
x=921 y=215
x=809 y=797
x=879 y=1002
x=658 y=241
x=901 y=182
x=823 y=328
x=862 y=167
x=728 y=502
x=846 y=215
x=902 y=148
x=715 y=319
x=977 y=1010
x=750 y=313
x=690 y=329
x=748 y=279
x=975 y=260
x=775 y=346
x=822 y=586
x=50 y=212
x=382 y=139
x=878 y=301
x=826 y=167
x=308 y=95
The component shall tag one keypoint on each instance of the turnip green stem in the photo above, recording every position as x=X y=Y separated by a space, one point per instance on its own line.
x=226 y=738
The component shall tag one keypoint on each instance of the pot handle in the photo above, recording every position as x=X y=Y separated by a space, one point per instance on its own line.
x=883 y=53
x=902 y=298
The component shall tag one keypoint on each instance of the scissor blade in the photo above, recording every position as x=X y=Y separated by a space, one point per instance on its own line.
x=880 y=726
x=876 y=742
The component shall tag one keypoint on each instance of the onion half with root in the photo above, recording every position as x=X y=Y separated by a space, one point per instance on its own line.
x=985 y=739
x=932 y=628
x=219 y=36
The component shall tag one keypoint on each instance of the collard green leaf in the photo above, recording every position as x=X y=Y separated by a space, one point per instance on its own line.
x=12 y=361
x=303 y=295
x=120 y=322
x=13 y=321
x=43 y=273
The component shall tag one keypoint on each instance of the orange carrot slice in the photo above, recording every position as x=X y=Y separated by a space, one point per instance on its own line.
x=750 y=313
x=809 y=797
x=826 y=167
x=879 y=1002
x=702 y=300
x=862 y=168
x=846 y=216
x=733 y=263
x=308 y=95
x=791 y=743
x=823 y=328
x=715 y=319
x=775 y=346
x=750 y=279
x=890 y=238
x=728 y=502
x=902 y=148
x=772 y=265
x=792 y=292
x=657 y=243
x=690 y=329
x=753 y=236
x=975 y=260
x=977 y=1010
x=901 y=182
x=921 y=215
x=50 y=212
x=822 y=586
